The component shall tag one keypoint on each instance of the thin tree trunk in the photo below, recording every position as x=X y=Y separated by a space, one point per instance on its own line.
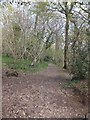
x=56 y=49
x=66 y=41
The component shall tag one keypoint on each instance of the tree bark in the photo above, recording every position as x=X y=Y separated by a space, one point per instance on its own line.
x=66 y=41
x=56 y=49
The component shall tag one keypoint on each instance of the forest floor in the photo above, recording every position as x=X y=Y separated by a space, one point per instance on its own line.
x=40 y=95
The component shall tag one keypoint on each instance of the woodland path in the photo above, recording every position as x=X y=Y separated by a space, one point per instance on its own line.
x=39 y=95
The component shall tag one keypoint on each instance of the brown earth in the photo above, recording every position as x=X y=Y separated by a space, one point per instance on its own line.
x=40 y=95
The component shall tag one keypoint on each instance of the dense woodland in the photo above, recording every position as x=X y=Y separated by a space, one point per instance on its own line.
x=47 y=32
x=45 y=59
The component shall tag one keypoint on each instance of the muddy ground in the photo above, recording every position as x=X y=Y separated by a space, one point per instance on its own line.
x=40 y=95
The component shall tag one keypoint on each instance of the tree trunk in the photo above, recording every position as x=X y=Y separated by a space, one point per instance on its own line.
x=88 y=40
x=66 y=41
x=56 y=49
x=73 y=47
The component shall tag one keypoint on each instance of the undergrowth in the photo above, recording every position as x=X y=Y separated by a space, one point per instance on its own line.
x=23 y=65
x=81 y=85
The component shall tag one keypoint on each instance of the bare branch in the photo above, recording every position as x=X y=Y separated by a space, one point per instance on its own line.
x=61 y=7
x=72 y=5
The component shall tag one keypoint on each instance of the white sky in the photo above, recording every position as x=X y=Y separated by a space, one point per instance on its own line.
x=85 y=1
x=56 y=0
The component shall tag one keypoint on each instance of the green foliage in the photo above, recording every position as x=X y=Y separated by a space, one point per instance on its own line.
x=23 y=65
x=49 y=54
x=16 y=30
x=48 y=58
x=41 y=9
x=79 y=85
x=59 y=58
x=70 y=83
x=79 y=63
x=16 y=27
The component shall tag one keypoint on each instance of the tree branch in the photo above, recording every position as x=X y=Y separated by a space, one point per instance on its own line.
x=72 y=5
x=61 y=7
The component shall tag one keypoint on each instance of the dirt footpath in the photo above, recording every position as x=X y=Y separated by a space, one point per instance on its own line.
x=39 y=96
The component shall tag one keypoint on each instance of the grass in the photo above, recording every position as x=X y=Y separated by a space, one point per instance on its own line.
x=23 y=65
x=0 y=60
